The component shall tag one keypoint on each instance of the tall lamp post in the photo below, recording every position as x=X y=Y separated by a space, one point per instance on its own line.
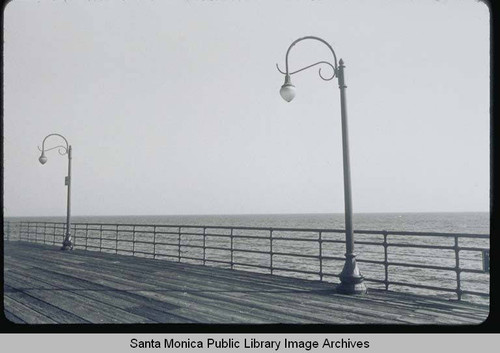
x=351 y=280
x=67 y=244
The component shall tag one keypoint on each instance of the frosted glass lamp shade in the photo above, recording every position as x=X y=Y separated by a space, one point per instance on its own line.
x=287 y=92
x=42 y=159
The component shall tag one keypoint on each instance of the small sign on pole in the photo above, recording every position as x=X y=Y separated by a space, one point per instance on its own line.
x=486 y=261
x=66 y=180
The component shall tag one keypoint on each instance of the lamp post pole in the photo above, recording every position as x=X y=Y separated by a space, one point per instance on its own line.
x=67 y=243
x=351 y=280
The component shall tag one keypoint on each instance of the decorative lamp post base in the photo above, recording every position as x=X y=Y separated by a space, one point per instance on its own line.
x=351 y=280
x=67 y=244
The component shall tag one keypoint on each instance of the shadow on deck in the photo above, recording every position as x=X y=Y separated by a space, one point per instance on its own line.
x=43 y=285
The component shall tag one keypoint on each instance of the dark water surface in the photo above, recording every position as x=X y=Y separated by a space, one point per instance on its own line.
x=466 y=222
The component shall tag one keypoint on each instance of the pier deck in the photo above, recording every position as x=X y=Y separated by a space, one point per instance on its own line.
x=43 y=285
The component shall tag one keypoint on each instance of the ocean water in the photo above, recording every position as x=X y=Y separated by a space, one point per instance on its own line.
x=463 y=222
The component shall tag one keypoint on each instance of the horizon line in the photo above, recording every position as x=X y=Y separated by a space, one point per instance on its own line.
x=243 y=214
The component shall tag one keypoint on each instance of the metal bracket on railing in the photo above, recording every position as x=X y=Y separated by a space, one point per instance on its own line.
x=486 y=261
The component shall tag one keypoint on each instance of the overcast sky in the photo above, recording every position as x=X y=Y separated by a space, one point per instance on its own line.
x=173 y=107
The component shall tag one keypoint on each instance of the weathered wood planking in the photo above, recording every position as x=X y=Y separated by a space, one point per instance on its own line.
x=46 y=285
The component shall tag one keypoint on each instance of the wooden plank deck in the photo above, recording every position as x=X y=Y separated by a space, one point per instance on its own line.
x=44 y=285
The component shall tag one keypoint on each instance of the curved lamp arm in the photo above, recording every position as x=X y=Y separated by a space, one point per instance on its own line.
x=64 y=149
x=334 y=66
x=304 y=68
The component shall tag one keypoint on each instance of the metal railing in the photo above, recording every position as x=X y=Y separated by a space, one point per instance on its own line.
x=453 y=263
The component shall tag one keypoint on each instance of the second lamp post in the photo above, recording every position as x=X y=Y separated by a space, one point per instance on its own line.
x=67 y=244
x=351 y=280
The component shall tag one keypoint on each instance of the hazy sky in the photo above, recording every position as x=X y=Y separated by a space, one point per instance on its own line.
x=173 y=107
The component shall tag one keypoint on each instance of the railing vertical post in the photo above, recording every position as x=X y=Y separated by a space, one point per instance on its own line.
x=457 y=268
x=116 y=239
x=44 y=231
x=86 y=235
x=100 y=239
x=74 y=234
x=133 y=241
x=8 y=231
x=54 y=235
x=386 y=261
x=486 y=260
x=320 y=244
x=271 y=248
x=179 y=245
x=29 y=236
x=204 y=245
x=232 y=249
x=154 y=242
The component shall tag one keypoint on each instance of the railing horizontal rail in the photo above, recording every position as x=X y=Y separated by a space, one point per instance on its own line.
x=435 y=234
x=370 y=261
x=475 y=293
x=442 y=247
x=331 y=241
x=296 y=255
x=402 y=264
x=314 y=252
x=414 y=285
x=293 y=270
x=324 y=230
x=169 y=233
x=338 y=258
x=469 y=270
x=277 y=229
x=171 y=244
x=249 y=251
